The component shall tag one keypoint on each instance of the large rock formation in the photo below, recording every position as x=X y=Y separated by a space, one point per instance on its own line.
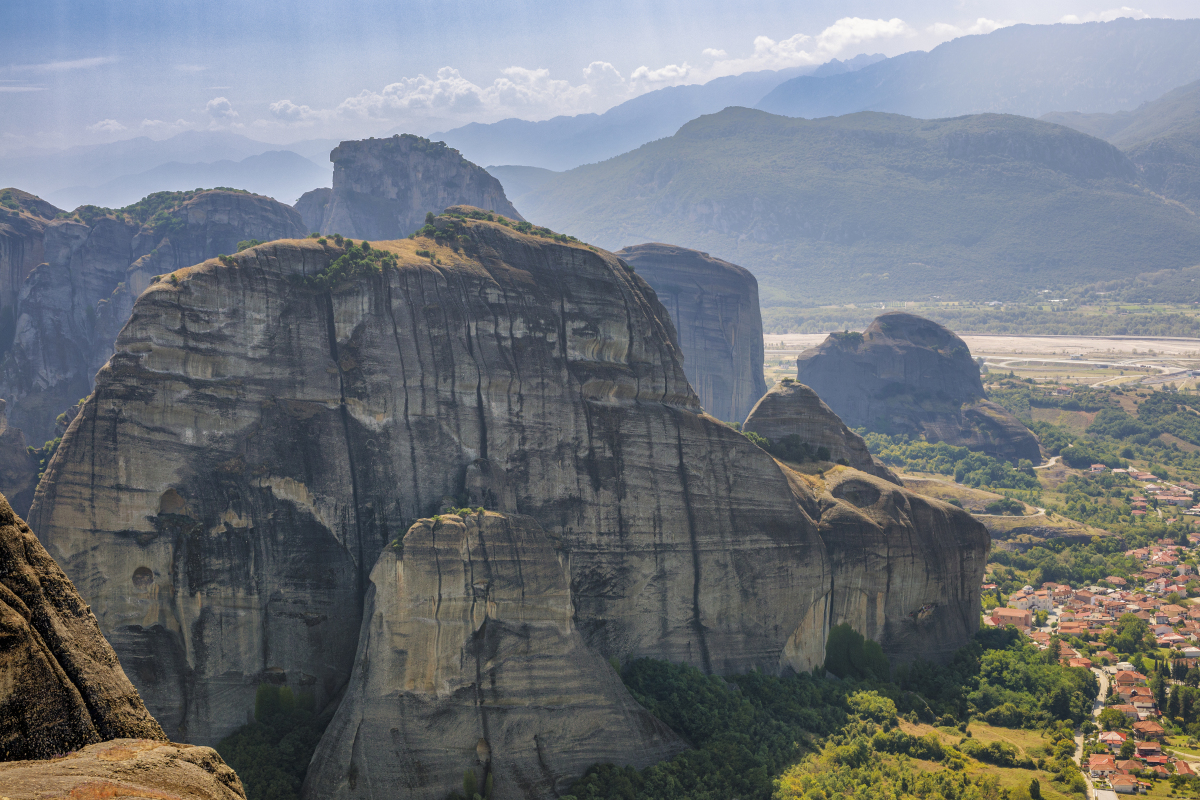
x=908 y=375
x=72 y=307
x=268 y=425
x=383 y=188
x=469 y=657
x=714 y=305
x=63 y=687
x=124 y=768
x=793 y=409
x=23 y=220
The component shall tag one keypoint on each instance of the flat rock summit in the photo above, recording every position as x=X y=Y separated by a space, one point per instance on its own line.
x=281 y=472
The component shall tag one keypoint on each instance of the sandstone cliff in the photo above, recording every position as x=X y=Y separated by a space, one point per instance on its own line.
x=72 y=307
x=793 y=409
x=124 y=768
x=714 y=306
x=469 y=659
x=311 y=207
x=908 y=375
x=63 y=687
x=383 y=188
x=269 y=424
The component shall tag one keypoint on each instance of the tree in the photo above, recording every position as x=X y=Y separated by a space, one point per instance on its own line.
x=1035 y=789
x=1128 y=748
x=1192 y=678
x=848 y=654
x=1111 y=719
x=1158 y=686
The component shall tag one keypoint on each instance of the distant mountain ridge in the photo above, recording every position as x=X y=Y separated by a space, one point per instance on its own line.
x=1021 y=69
x=565 y=142
x=876 y=206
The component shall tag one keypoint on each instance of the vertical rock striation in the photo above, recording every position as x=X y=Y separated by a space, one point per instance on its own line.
x=469 y=659
x=97 y=262
x=908 y=375
x=63 y=686
x=714 y=305
x=23 y=220
x=266 y=427
x=383 y=188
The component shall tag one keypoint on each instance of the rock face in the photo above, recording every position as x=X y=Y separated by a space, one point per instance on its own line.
x=23 y=220
x=18 y=467
x=908 y=375
x=311 y=207
x=265 y=428
x=383 y=188
x=793 y=409
x=125 y=768
x=63 y=687
x=72 y=307
x=469 y=658
x=714 y=305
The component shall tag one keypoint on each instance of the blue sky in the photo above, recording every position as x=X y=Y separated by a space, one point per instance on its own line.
x=90 y=71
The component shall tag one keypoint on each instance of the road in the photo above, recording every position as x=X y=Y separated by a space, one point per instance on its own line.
x=1097 y=707
x=1053 y=460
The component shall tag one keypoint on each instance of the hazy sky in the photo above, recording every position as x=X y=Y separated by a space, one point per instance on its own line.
x=98 y=70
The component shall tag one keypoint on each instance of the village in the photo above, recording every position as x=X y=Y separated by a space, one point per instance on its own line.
x=1124 y=629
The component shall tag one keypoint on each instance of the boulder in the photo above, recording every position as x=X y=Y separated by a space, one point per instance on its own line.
x=63 y=686
x=908 y=375
x=383 y=188
x=124 y=768
x=714 y=307
x=469 y=659
x=793 y=409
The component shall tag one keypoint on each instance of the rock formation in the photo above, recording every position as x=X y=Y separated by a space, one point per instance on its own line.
x=124 y=768
x=98 y=261
x=383 y=188
x=18 y=467
x=793 y=409
x=469 y=659
x=270 y=423
x=714 y=305
x=23 y=220
x=63 y=687
x=908 y=375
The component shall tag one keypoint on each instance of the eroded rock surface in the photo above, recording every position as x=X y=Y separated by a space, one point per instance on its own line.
x=258 y=438
x=908 y=375
x=23 y=220
x=714 y=306
x=62 y=685
x=469 y=659
x=72 y=307
x=383 y=188
x=793 y=409
x=124 y=768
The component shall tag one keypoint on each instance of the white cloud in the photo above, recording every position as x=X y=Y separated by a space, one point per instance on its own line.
x=288 y=111
x=220 y=109
x=1107 y=16
x=944 y=30
x=65 y=66
x=106 y=126
x=602 y=73
x=669 y=75
x=712 y=52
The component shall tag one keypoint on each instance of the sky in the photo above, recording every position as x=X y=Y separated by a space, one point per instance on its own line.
x=91 y=71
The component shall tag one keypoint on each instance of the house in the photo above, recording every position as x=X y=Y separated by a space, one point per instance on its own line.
x=1085 y=663
x=1115 y=581
x=1146 y=749
x=1101 y=766
x=1149 y=731
x=1022 y=619
x=1113 y=740
x=1104 y=655
x=1021 y=600
x=1097 y=468
x=1128 y=679
x=1183 y=768
x=1123 y=784
x=1128 y=766
x=1129 y=711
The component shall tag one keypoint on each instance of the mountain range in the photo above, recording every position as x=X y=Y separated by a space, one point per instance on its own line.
x=870 y=205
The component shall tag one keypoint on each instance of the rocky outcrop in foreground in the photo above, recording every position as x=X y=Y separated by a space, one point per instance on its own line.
x=469 y=659
x=63 y=687
x=908 y=375
x=714 y=306
x=383 y=188
x=793 y=409
x=97 y=262
x=124 y=768
x=270 y=425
